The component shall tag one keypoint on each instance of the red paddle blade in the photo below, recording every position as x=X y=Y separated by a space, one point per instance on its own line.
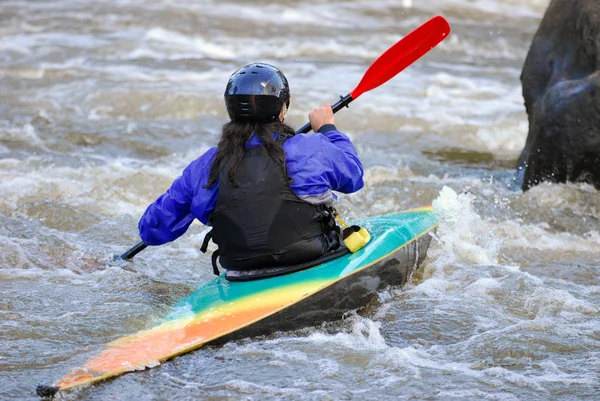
x=405 y=52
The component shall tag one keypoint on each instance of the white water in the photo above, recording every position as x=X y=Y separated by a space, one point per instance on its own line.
x=102 y=104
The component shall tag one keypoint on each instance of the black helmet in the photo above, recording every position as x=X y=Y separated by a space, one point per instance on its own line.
x=256 y=92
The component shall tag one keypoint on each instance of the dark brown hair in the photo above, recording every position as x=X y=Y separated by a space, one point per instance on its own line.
x=231 y=147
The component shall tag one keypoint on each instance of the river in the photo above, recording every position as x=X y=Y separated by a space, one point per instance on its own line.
x=103 y=103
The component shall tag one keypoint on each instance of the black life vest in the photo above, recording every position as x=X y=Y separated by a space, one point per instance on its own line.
x=258 y=222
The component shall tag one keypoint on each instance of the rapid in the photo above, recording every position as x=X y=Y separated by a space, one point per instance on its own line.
x=103 y=103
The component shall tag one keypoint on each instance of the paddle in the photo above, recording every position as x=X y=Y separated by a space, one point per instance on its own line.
x=395 y=59
x=137 y=248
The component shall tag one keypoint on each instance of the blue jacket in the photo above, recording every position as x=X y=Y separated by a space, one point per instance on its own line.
x=316 y=163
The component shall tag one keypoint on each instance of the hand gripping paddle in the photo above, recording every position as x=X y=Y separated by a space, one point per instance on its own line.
x=395 y=59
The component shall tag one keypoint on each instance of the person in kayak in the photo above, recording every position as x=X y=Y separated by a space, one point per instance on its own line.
x=266 y=192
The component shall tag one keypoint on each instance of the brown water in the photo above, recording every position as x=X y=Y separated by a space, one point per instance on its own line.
x=103 y=103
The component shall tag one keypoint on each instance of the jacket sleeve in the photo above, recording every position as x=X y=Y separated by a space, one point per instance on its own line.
x=346 y=170
x=171 y=214
x=322 y=162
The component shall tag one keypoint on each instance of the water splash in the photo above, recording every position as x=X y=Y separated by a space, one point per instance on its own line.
x=463 y=235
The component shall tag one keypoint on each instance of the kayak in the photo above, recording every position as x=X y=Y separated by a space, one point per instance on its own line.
x=223 y=310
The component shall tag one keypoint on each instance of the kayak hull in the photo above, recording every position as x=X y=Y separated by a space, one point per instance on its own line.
x=222 y=310
x=354 y=291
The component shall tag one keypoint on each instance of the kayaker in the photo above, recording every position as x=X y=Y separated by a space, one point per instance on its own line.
x=265 y=191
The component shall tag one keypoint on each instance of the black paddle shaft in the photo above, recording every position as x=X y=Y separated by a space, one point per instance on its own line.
x=133 y=251
x=340 y=104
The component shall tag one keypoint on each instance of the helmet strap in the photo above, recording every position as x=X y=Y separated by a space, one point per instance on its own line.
x=283 y=112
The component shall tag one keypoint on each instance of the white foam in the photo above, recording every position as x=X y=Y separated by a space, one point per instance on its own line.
x=434 y=287
x=483 y=286
x=8 y=46
x=547 y=302
x=97 y=190
x=364 y=335
x=23 y=134
x=195 y=45
x=463 y=235
x=476 y=394
x=506 y=139
x=539 y=236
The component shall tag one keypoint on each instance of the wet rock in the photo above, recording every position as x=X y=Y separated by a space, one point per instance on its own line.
x=561 y=88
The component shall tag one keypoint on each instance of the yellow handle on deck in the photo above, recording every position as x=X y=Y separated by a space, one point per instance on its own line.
x=354 y=237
